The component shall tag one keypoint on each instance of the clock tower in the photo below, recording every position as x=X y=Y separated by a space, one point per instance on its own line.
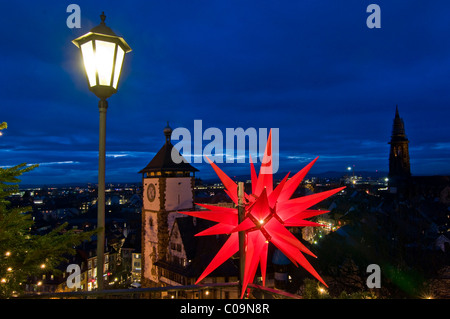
x=167 y=188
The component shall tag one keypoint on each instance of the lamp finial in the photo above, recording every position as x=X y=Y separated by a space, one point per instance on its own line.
x=103 y=17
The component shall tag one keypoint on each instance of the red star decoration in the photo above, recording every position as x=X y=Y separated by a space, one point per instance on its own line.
x=268 y=212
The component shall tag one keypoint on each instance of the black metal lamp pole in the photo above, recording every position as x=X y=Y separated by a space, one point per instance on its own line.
x=103 y=53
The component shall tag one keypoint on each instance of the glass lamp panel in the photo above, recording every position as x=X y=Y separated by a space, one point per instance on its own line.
x=87 y=50
x=118 y=66
x=104 y=60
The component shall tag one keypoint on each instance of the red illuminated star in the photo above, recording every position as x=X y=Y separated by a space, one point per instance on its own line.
x=268 y=212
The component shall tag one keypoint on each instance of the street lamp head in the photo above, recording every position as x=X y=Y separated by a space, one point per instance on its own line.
x=103 y=53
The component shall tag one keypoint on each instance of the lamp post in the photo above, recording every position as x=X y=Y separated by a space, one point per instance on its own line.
x=103 y=53
x=241 y=217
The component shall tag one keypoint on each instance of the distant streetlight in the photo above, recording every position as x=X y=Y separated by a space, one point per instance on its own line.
x=351 y=168
x=103 y=54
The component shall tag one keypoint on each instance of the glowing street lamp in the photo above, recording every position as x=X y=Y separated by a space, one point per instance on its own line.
x=103 y=53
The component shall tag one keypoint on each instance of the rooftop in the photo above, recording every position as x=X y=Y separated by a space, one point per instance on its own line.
x=163 y=161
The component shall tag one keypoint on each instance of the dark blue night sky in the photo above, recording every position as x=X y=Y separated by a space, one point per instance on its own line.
x=313 y=69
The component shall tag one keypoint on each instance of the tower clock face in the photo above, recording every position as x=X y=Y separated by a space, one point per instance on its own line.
x=151 y=192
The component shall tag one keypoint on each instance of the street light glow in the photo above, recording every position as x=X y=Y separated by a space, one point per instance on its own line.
x=103 y=54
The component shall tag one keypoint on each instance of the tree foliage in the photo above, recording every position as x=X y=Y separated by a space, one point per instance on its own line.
x=22 y=253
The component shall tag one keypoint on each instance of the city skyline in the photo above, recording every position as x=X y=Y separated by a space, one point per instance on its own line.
x=315 y=71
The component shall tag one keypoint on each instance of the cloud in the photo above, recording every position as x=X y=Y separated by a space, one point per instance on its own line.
x=441 y=146
x=57 y=163
x=116 y=155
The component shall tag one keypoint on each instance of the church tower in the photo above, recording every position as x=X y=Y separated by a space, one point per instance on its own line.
x=399 y=166
x=167 y=188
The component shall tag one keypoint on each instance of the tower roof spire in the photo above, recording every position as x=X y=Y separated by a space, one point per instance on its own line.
x=168 y=132
x=398 y=128
x=396 y=111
